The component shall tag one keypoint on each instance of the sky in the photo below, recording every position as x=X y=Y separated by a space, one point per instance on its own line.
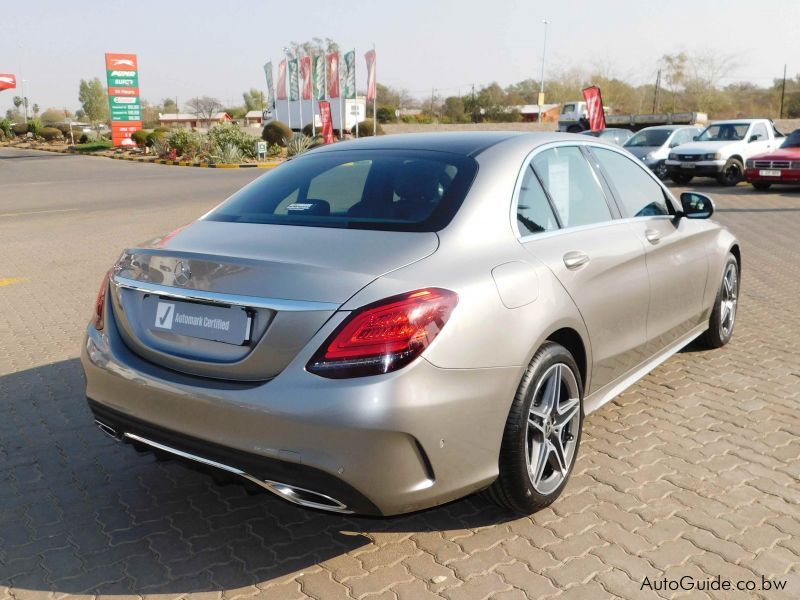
x=218 y=48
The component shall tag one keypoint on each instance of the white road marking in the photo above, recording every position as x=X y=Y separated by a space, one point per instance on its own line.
x=37 y=212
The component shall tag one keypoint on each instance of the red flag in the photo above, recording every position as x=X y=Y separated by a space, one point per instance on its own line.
x=327 y=121
x=594 y=106
x=333 y=75
x=7 y=81
x=305 y=69
x=371 y=63
x=281 y=91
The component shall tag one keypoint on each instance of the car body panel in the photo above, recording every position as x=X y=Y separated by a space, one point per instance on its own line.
x=785 y=161
x=431 y=431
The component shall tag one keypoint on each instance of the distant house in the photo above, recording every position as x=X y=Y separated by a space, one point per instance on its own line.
x=530 y=112
x=253 y=117
x=191 y=121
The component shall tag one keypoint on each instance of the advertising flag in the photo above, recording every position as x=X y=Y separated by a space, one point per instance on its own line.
x=294 y=80
x=371 y=68
x=7 y=81
x=594 y=106
x=319 y=77
x=270 y=85
x=122 y=76
x=333 y=75
x=282 y=80
x=349 y=74
x=327 y=121
x=305 y=70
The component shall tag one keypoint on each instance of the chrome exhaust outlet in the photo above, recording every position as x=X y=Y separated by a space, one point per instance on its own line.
x=108 y=430
x=292 y=493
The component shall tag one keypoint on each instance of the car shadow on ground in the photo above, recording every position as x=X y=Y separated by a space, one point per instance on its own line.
x=81 y=513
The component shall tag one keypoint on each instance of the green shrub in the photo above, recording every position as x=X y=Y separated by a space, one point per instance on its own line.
x=6 y=127
x=140 y=137
x=300 y=143
x=93 y=146
x=160 y=147
x=2 y=135
x=230 y=134
x=309 y=130
x=365 y=129
x=20 y=129
x=385 y=114
x=275 y=132
x=82 y=139
x=35 y=126
x=274 y=150
x=228 y=154
x=50 y=134
x=185 y=142
x=156 y=134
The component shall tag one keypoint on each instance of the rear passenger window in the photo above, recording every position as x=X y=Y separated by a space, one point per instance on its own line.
x=639 y=194
x=534 y=213
x=573 y=187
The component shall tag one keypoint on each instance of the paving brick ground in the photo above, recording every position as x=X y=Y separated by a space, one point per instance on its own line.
x=692 y=472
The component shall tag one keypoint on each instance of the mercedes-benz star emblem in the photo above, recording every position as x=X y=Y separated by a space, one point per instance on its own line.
x=182 y=273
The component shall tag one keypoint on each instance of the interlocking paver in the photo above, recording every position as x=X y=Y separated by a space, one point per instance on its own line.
x=693 y=471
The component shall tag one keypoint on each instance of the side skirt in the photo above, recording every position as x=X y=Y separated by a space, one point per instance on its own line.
x=615 y=388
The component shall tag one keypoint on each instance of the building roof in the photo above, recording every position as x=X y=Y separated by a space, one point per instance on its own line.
x=528 y=109
x=191 y=117
x=254 y=114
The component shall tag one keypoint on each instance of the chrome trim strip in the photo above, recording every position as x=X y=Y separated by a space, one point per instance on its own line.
x=284 y=490
x=277 y=304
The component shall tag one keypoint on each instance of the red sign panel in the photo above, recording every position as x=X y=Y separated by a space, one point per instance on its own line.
x=8 y=81
x=333 y=75
x=327 y=121
x=121 y=62
x=121 y=132
x=123 y=91
x=594 y=106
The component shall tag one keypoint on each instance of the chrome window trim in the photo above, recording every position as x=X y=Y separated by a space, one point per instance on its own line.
x=578 y=144
x=276 y=304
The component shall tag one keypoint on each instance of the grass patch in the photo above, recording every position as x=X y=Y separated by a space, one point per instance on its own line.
x=92 y=146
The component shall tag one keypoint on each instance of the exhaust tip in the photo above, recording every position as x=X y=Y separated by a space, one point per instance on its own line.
x=305 y=497
x=108 y=430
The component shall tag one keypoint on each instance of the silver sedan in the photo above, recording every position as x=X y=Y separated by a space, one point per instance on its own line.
x=388 y=324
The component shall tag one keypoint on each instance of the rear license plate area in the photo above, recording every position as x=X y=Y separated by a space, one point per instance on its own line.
x=226 y=324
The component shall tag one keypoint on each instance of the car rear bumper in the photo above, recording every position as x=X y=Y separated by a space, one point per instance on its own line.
x=786 y=176
x=386 y=445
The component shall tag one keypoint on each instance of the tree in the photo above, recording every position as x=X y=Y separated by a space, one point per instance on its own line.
x=205 y=107
x=35 y=110
x=253 y=99
x=169 y=105
x=453 y=109
x=55 y=115
x=674 y=68
x=93 y=99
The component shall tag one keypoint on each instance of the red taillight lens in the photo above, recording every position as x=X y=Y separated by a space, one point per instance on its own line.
x=98 y=317
x=384 y=336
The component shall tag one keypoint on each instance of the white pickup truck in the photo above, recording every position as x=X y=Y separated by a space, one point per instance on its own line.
x=721 y=150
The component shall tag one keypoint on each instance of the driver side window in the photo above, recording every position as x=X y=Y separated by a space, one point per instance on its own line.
x=638 y=193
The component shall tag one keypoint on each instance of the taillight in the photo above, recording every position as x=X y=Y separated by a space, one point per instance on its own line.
x=98 y=318
x=384 y=336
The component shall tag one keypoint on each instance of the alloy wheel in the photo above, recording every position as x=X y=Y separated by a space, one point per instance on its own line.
x=552 y=428
x=728 y=299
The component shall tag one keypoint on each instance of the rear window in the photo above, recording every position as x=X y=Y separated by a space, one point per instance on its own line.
x=400 y=190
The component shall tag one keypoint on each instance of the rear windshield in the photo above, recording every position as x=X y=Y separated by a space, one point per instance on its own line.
x=398 y=190
x=649 y=137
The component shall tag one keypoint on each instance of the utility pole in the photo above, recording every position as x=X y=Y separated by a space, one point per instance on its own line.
x=474 y=108
x=655 y=94
x=433 y=94
x=783 y=91
x=540 y=99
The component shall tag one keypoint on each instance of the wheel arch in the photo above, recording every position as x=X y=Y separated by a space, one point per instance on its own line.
x=737 y=252
x=573 y=342
x=737 y=157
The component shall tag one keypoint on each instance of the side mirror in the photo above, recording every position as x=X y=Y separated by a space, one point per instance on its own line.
x=696 y=206
x=753 y=138
x=695 y=138
x=674 y=144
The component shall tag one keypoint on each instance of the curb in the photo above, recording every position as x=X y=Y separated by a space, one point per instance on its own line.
x=161 y=161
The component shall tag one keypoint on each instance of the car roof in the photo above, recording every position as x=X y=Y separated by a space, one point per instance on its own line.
x=738 y=121
x=469 y=143
x=669 y=127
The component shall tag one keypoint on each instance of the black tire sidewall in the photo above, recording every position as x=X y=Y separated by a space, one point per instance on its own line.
x=723 y=177
x=716 y=337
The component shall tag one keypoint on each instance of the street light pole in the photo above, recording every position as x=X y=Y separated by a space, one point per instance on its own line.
x=540 y=99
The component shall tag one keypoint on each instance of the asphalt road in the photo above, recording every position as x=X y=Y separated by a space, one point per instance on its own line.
x=692 y=472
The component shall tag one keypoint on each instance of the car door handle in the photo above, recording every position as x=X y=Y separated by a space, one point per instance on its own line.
x=575 y=259
x=652 y=236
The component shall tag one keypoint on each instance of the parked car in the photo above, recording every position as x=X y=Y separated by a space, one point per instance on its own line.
x=388 y=324
x=721 y=150
x=779 y=166
x=653 y=144
x=615 y=136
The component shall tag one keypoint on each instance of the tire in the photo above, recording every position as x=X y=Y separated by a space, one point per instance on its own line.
x=660 y=170
x=723 y=315
x=761 y=185
x=732 y=173
x=681 y=178
x=529 y=425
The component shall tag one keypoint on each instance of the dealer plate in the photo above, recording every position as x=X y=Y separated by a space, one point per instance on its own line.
x=769 y=173
x=228 y=324
x=687 y=165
